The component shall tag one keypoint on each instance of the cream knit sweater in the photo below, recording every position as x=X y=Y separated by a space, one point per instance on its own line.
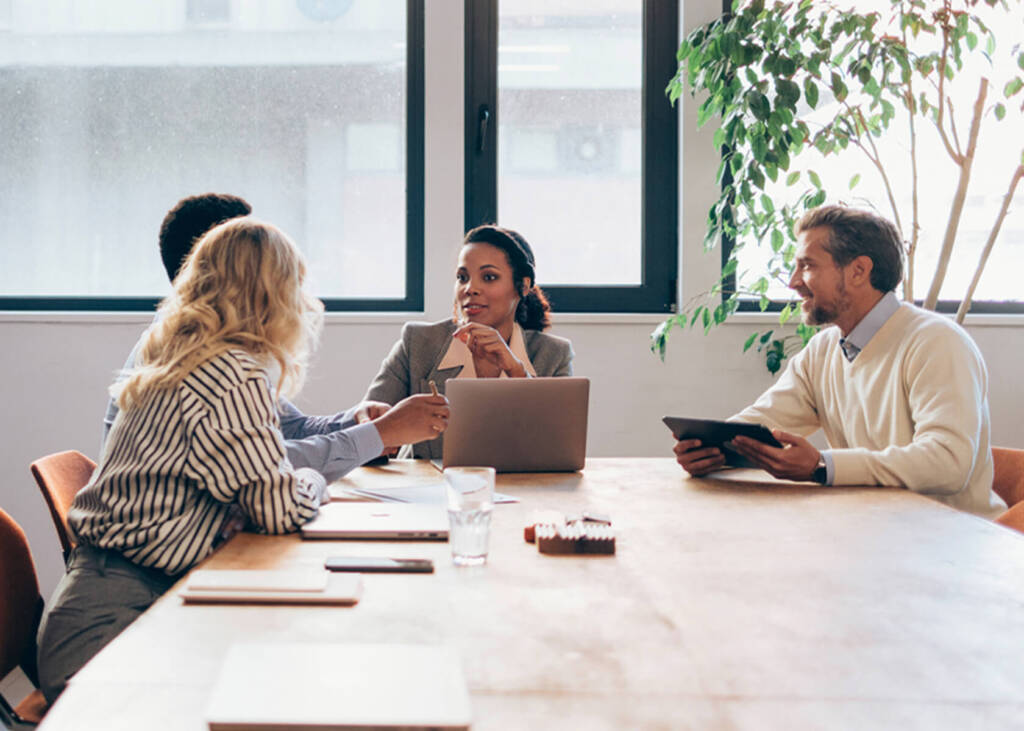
x=911 y=410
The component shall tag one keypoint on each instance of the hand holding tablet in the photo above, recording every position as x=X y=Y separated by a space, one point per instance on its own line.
x=704 y=444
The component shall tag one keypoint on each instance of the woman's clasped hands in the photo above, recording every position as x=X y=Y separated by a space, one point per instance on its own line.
x=491 y=354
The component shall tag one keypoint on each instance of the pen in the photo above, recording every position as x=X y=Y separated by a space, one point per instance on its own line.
x=433 y=388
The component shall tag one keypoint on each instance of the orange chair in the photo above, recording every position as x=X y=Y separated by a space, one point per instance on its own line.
x=21 y=606
x=1009 y=485
x=60 y=476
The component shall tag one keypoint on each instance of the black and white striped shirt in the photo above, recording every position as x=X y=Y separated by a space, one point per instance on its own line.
x=175 y=465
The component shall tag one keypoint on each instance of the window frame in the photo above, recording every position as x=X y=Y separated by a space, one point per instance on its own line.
x=657 y=292
x=414 y=213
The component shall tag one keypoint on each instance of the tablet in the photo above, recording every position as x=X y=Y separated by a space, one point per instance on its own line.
x=714 y=433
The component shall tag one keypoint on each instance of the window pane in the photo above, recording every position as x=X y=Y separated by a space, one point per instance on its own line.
x=569 y=165
x=114 y=110
x=997 y=155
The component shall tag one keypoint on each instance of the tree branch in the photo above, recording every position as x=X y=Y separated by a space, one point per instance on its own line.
x=954 y=151
x=957 y=208
x=874 y=158
x=965 y=303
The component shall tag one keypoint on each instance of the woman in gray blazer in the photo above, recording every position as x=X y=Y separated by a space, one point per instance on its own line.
x=496 y=331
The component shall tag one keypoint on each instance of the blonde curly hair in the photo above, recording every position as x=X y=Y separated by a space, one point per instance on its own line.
x=241 y=287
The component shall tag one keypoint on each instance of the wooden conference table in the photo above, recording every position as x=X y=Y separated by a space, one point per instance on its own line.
x=729 y=604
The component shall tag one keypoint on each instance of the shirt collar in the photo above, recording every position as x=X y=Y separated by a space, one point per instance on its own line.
x=458 y=355
x=870 y=324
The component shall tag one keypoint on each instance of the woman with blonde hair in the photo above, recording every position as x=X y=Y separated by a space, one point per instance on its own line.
x=196 y=451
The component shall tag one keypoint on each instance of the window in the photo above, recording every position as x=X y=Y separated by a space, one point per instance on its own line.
x=113 y=111
x=572 y=142
x=997 y=155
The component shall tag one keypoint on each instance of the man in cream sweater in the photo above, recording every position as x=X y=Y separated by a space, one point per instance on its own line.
x=900 y=393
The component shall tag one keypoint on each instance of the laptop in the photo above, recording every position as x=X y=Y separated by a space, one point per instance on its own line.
x=306 y=686
x=517 y=424
x=388 y=521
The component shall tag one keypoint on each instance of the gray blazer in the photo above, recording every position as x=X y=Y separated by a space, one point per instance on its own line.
x=413 y=360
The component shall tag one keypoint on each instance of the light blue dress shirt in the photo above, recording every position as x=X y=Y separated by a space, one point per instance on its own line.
x=855 y=342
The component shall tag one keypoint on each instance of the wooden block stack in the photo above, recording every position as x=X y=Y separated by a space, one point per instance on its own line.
x=555 y=534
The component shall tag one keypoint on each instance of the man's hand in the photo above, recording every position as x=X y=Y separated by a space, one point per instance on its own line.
x=370 y=410
x=796 y=460
x=487 y=345
x=697 y=460
x=413 y=419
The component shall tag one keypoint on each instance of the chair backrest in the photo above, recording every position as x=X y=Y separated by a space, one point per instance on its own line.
x=21 y=606
x=1013 y=518
x=60 y=476
x=1009 y=474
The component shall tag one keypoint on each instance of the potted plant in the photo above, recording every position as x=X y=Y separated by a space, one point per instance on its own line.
x=792 y=85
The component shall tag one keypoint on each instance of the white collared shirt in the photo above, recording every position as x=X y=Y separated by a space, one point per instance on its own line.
x=458 y=354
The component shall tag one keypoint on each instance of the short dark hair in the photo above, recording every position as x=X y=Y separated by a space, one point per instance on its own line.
x=533 y=309
x=191 y=218
x=854 y=232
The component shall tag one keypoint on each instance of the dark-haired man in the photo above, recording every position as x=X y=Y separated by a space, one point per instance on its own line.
x=901 y=393
x=331 y=445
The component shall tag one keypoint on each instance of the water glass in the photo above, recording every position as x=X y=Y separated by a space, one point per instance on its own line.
x=470 y=493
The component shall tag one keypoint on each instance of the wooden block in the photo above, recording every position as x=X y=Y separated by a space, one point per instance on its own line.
x=575 y=538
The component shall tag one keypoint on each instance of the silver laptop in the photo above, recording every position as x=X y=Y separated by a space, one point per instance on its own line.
x=517 y=424
x=390 y=521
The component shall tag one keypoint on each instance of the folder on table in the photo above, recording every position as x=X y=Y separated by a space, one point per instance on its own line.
x=243 y=586
x=339 y=686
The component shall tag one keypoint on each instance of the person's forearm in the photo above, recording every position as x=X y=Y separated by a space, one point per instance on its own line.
x=337 y=453
x=928 y=465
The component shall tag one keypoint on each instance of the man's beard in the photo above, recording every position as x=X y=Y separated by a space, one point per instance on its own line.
x=824 y=314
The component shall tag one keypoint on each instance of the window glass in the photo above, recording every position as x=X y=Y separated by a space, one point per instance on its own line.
x=569 y=165
x=115 y=109
x=998 y=153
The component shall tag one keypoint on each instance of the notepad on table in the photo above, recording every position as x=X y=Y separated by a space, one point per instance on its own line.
x=246 y=586
x=339 y=686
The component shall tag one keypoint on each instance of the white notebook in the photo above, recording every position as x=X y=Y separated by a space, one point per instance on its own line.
x=245 y=586
x=339 y=686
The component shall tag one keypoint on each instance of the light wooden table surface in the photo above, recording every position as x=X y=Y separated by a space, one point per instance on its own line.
x=729 y=605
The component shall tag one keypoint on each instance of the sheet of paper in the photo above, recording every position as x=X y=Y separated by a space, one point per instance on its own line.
x=415 y=494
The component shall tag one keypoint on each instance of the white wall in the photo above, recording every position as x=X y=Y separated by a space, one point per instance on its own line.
x=55 y=368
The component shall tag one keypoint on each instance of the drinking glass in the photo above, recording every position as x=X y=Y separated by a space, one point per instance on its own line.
x=470 y=494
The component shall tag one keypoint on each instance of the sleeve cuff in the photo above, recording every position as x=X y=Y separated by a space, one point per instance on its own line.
x=830 y=467
x=345 y=420
x=367 y=441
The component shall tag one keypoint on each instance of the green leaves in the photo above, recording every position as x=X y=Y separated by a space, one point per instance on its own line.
x=759 y=105
x=811 y=92
x=781 y=77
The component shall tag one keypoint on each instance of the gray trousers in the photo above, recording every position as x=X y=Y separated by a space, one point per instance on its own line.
x=101 y=594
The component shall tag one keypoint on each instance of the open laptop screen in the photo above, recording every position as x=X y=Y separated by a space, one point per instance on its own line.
x=517 y=424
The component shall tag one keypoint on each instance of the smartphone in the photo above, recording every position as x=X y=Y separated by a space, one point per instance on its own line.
x=368 y=564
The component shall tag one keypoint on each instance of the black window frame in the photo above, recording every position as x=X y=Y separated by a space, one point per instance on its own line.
x=414 y=213
x=753 y=304
x=657 y=292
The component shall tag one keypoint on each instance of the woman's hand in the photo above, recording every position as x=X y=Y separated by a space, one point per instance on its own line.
x=491 y=354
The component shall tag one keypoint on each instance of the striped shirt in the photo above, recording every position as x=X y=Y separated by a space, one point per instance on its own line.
x=176 y=465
